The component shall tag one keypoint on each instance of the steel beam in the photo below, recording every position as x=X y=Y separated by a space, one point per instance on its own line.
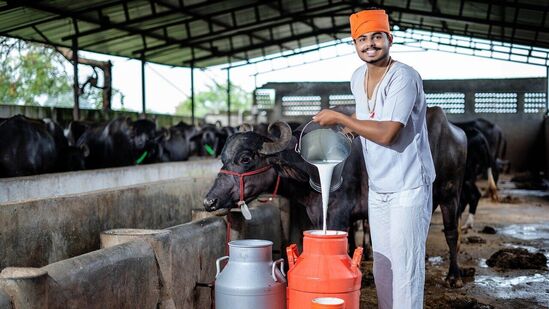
x=274 y=42
x=255 y=27
x=143 y=88
x=210 y=20
x=136 y=31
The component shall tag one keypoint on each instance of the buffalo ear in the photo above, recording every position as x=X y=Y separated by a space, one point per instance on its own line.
x=286 y=170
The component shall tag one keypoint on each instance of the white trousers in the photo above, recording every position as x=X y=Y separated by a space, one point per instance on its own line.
x=399 y=225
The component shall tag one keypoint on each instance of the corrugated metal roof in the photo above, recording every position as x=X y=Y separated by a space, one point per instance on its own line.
x=207 y=33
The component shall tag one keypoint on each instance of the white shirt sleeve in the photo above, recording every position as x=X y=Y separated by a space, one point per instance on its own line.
x=401 y=97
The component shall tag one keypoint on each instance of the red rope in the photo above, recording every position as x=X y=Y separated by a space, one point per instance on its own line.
x=242 y=175
x=276 y=186
x=242 y=197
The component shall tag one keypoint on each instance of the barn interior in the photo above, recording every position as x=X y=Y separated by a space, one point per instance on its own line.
x=52 y=223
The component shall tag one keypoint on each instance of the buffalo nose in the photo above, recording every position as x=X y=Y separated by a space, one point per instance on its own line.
x=209 y=204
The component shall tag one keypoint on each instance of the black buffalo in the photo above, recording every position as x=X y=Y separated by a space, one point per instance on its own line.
x=246 y=152
x=211 y=138
x=76 y=129
x=33 y=146
x=211 y=141
x=479 y=161
x=493 y=134
x=174 y=143
x=119 y=142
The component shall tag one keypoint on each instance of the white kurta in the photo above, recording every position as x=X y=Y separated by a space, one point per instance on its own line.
x=407 y=163
x=400 y=180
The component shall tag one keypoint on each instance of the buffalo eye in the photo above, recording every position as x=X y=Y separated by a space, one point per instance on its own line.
x=245 y=160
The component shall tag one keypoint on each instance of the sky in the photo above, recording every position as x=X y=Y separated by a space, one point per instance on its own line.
x=167 y=86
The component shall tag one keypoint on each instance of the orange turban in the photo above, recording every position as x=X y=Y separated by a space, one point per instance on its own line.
x=369 y=21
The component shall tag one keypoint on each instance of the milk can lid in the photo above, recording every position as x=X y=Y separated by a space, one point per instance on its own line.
x=250 y=243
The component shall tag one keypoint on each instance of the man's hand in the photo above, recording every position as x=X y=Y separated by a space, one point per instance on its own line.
x=327 y=117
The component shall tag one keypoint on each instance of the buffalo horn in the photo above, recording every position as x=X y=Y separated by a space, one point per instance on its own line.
x=245 y=127
x=280 y=143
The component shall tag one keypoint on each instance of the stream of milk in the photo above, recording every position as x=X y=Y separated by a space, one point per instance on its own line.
x=325 y=171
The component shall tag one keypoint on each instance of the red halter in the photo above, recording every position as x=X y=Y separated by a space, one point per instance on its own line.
x=242 y=199
x=250 y=173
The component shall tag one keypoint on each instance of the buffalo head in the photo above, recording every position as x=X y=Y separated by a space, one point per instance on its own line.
x=142 y=132
x=258 y=160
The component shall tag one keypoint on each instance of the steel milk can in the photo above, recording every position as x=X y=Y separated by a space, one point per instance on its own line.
x=324 y=269
x=250 y=280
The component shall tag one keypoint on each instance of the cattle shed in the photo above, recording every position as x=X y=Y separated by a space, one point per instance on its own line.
x=198 y=33
x=52 y=226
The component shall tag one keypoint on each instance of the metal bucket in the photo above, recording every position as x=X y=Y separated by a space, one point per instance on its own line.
x=324 y=143
x=251 y=279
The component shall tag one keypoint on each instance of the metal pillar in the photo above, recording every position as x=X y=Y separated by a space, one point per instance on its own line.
x=107 y=86
x=192 y=94
x=228 y=96
x=547 y=90
x=76 y=86
x=143 y=92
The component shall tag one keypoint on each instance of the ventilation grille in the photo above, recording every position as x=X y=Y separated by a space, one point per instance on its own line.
x=341 y=99
x=496 y=102
x=265 y=98
x=535 y=102
x=300 y=106
x=450 y=102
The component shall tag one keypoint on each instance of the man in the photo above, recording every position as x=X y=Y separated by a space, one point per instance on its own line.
x=390 y=119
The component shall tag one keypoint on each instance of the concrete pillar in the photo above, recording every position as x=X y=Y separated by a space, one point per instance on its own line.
x=26 y=286
x=520 y=102
x=469 y=102
x=160 y=242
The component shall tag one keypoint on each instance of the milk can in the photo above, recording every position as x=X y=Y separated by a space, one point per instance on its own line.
x=250 y=280
x=324 y=269
x=324 y=144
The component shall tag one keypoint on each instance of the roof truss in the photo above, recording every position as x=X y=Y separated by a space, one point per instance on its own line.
x=204 y=33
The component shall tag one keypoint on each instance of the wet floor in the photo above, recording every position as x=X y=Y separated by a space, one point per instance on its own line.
x=521 y=220
x=529 y=286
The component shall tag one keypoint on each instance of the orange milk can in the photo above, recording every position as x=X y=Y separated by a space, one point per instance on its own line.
x=324 y=269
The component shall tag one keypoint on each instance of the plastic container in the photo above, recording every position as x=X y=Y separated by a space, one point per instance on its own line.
x=327 y=303
x=324 y=269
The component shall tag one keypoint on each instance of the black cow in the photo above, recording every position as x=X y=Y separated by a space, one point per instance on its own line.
x=493 y=134
x=479 y=160
x=246 y=152
x=32 y=146
x=119 y=142
x=211 y=139
x=497 y=146
x=173 y=145
x=76 y=128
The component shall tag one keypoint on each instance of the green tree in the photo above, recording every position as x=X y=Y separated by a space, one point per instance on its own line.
x=214 y=101
x=29 y=71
